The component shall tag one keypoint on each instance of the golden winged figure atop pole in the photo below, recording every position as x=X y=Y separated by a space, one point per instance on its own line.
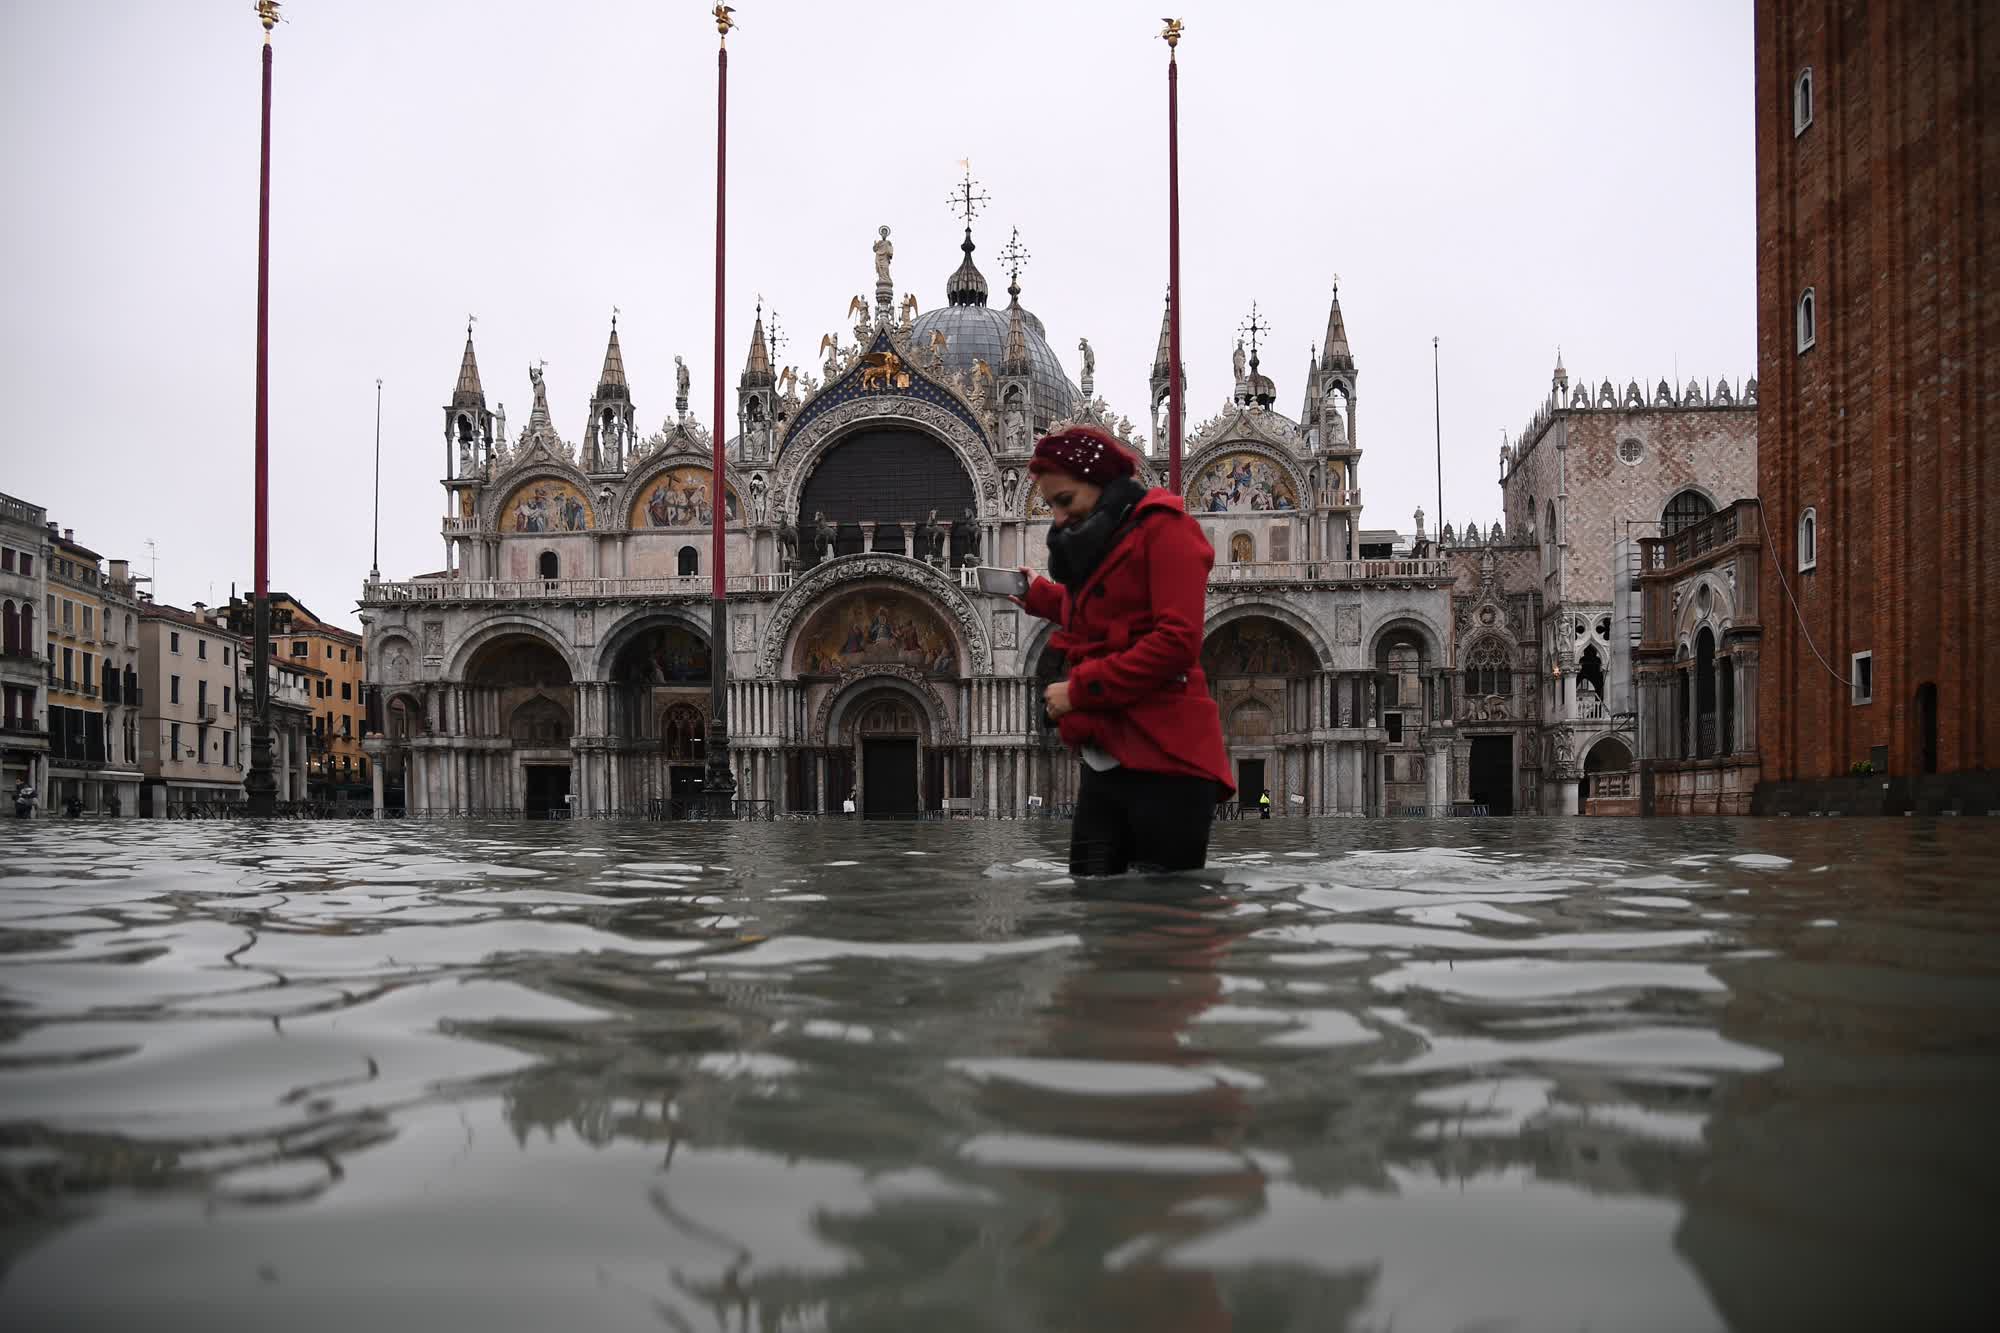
x=723 y=23
x=1172 y=32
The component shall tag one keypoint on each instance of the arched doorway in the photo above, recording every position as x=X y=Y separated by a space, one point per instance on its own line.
x=1258 y=668
x=520 y=691
x=1408 y=697
x=659 y=673
x=884 y=732
x=880 y=636
x=887 y=478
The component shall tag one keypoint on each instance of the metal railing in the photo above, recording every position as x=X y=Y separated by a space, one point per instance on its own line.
x=1330 y=571
x=532 y=590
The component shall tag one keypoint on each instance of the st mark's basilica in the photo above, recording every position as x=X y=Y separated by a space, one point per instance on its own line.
x=561 y=661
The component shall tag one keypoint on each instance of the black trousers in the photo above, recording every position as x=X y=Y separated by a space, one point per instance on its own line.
x=1149 y=821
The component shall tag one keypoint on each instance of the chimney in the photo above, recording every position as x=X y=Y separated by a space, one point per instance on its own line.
x=69 y=534
x=121 y=572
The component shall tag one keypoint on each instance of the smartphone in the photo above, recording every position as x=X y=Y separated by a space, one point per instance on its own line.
x=1001 y=582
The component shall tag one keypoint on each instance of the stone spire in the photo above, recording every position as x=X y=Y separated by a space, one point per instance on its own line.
x=613 y=374
x=757 y=369
x=468 y=394
x=1336 y=353
x=1311 y=413
x=611 y=429
x=1162 y=381
x=1560 y=380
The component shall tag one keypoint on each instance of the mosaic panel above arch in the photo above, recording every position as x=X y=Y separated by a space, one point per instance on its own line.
x=663 y=655
x=876 y=627
x=1255 y=646
x=679 y=498
x=546 y=504
x=1241 y=482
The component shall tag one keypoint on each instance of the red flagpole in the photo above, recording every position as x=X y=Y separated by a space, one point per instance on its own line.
x=718 y=782
x=720 y=590
x=1173 y=35
x=261 y=786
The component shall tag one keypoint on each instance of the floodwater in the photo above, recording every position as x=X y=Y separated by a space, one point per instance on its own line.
x=1467 y=1075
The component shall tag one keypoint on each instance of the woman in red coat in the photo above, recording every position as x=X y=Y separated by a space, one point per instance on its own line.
x=1130 y=587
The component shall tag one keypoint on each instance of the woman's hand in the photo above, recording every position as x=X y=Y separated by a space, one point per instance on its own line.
x=1056 y=697
x=1028 y=575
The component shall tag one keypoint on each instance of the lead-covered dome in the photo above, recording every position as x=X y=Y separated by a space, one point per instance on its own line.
x=975 y=331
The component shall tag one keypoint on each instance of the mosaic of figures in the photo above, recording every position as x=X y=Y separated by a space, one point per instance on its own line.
x=679 y=498
x=1254 y=647
x=876 y=628
x=1241 y=481
x=546 y=504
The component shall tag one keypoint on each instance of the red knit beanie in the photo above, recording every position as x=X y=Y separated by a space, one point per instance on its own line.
x=1084 y=452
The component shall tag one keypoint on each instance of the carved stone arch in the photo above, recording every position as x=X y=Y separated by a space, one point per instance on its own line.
x=1487 y=640
x=852 y=686
x=614 y=638
x=1037 y=644
x=806 y=593
x=1581 y=398
x=639 y=478
x=806 y=446
x=1290 y=619
x=499 y=627
x=382 y=649
x=1412 y=619
x=1689 y=616
x=1634 y=396
x=539 y=465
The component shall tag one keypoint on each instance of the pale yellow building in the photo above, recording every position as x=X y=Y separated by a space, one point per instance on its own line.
x=93 y=662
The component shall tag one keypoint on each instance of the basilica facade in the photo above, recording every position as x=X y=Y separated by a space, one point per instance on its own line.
x=561 y=661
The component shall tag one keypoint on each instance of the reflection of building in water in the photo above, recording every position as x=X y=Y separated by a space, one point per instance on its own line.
x=527 y=674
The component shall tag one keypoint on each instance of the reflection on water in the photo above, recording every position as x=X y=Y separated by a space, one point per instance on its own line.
x=1486 y=1074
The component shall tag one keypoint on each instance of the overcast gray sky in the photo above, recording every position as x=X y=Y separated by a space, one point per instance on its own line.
x=1507 y=177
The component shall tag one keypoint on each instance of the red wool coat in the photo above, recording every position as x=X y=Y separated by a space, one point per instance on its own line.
x=1131 y=637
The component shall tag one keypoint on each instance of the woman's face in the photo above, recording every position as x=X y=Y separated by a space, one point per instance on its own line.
x=1070 y=498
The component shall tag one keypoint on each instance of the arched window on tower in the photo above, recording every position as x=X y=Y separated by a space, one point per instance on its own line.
x=1808 y=319
x=688 y=562
x=1684 y=511
x=1802 y=101
x=1808 y=539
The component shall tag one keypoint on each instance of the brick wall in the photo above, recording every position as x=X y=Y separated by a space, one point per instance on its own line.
x=1883 y=206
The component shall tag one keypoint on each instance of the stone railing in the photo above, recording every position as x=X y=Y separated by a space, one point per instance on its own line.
x=1260 y=572
x=1590 y=708
x=541 y=590
x=453 y=523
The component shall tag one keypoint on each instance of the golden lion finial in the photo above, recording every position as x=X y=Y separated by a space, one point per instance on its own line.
x=723 y=23
x=1172 y=32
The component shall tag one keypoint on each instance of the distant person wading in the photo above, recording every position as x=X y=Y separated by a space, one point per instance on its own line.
x=1129 y=589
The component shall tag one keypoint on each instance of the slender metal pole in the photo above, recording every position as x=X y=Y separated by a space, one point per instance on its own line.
x=1437 y=418
x=375 y=555
x=719 y=782
x=261 y=787
x=1173 y=270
